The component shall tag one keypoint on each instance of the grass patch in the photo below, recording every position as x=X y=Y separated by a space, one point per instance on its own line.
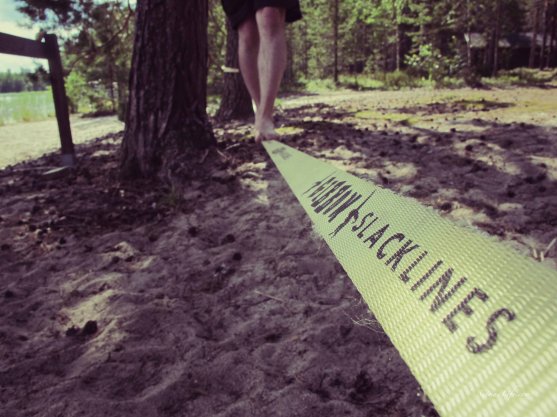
x=26 y=107
x=319 y=86
x=361 y=82
x=524 y=77
x=399 y=118
x=534 y=107
x=450 y=82
x=477 y=104
x=213 y=104
x=395 y=80
x=288 y=130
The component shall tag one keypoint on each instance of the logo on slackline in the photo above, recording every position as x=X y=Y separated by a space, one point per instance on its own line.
x=282 y=152
x=336 y=200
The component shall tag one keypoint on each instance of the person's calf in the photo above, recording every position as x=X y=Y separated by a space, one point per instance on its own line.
x=271 y=65
x=248 y=52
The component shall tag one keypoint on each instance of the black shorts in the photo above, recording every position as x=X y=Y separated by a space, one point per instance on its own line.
x=239 y=10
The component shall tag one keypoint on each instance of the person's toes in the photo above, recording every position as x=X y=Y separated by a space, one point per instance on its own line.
x=265 y=130
x=271 y=135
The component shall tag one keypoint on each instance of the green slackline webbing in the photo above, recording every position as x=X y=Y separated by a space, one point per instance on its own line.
x=475 y=321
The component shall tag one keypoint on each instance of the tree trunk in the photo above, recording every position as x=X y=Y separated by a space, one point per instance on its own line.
x=488 y=53
x=111 y=84
x=398 y=48
x=166 y=115
x=535 y=28
x=496 y=37
x=469 y=62
x=122 y=101
x=545 y=32
x=289 y=77
x=553 y=36
x=235 y=103
x=335 y=40
x=307 y=46
x=398 y=35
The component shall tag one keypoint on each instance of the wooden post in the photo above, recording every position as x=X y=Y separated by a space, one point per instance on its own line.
x=15 y=45
x=60 y=99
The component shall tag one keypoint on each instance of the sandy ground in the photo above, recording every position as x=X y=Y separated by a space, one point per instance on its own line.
x=484 y=158
x=23 y=141
x=126 y=299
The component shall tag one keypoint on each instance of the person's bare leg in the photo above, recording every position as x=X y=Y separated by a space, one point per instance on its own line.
x=248 y=50
x=271 y=65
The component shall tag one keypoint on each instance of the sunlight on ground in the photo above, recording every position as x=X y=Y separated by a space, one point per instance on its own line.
x=250 y=177
x=90 y=307
x=24 y=141
x=391 y=117
x=287 y=130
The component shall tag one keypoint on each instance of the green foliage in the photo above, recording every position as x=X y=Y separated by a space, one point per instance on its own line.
x=101 y=55
x=217 y=46
x=395 y=80
x=23 y=81
x=97 y=48
x=362 y=82
x=75 y=91
x=399 y=79
x=56 y=12
x=421 y=38
x=453 y=82
x=526 y=77
x=83 y=97
x=319 y=85
x=12 y=83
x=429 y=61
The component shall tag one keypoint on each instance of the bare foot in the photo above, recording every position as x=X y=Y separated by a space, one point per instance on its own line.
x=265 y=130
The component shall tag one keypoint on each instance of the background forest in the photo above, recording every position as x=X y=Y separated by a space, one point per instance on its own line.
x=350 y=43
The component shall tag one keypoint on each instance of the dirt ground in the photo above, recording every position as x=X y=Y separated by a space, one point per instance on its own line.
x=126 y=299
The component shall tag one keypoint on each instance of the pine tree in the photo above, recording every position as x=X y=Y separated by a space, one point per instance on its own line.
x=167 y=116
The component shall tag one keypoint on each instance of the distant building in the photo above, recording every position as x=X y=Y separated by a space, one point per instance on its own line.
x=514 y=49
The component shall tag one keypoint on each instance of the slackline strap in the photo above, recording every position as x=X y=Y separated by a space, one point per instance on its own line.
x=475 y=321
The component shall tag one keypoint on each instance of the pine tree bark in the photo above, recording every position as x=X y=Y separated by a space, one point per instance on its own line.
x=544 y=32
x=464 y=26
x=496 y=38
x=305 y=54
x=289 y=77
x=553 y=36
x=534 y=44
x=335 y=40
x=235 y=102
x=469 y=32
x=398 y=35
x=166 y=116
